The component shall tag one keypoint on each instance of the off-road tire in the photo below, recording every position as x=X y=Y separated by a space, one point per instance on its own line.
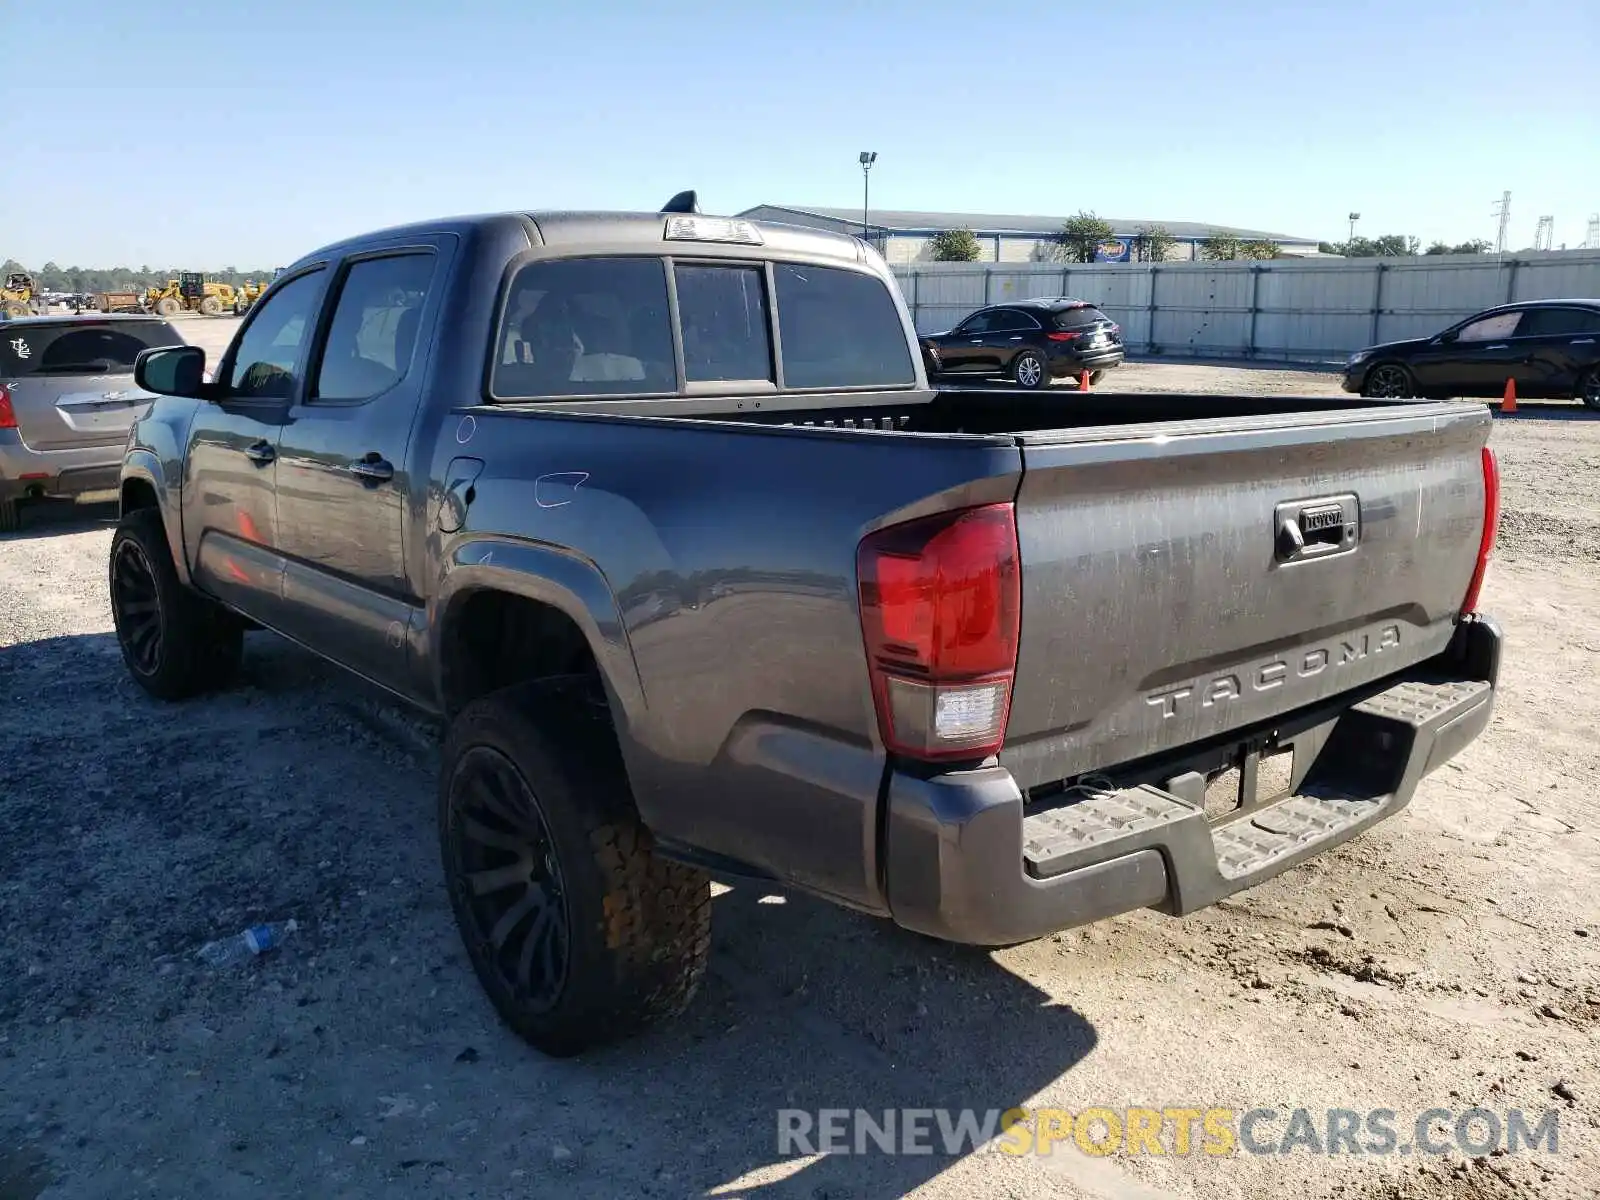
x=167 y=307
x=211 y=306
x=198 y=644
x=1589 y=389
x=637 y=926
x=1034 y=379
x=10 y=516
x=17 y=310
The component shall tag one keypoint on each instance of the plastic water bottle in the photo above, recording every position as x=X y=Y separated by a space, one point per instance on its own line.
x=257 y=939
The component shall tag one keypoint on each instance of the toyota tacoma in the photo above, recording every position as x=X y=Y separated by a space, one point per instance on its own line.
x=659 y=514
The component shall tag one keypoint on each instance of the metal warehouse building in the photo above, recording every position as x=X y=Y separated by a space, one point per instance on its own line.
x=907 y=237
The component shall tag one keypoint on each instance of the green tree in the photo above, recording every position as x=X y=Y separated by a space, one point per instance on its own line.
x=1221 y=247
x=1080 y=237
x=1152 y=243
x=1391 y=245
x=1475 y=246
x=956 y=245
x=1260 y=248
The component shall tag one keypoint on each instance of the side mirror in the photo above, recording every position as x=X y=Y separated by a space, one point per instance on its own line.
x=172 y=371
x=1445 y=338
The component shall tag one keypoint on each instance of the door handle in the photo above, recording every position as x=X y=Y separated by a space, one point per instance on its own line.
x=1498 y=346
x=260 y=453
x=372 y=469
x=1018 y=338
x=977 y=341
x=1584 y=342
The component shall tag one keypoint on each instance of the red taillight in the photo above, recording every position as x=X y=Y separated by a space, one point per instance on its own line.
x=8 y=415
x=1063 y=337
x=1491 y=526
x=941 y=608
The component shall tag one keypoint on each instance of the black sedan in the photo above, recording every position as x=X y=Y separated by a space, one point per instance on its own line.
x=1029 y=342
x=1551 y=348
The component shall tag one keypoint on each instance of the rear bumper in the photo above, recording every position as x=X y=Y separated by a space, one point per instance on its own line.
x=965 y=862
x=26 y=472
x=1072 y=361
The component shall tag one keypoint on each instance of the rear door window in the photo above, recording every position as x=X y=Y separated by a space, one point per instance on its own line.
x=839 y=329
x=1080 y=318
x=1008 y=320
x=80 y=349
x=1558 y=322
x=374 y=329
x=723 y=314
x=586 y=327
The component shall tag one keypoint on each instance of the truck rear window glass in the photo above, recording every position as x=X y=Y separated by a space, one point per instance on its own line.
x=723 y=312
x=79 y=349
x=839 y=329
x=1080 y=318
x=586 y=327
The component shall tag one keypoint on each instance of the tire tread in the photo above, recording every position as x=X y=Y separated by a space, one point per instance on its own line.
x=646 y=952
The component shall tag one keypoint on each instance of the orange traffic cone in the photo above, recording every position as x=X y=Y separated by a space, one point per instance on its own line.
x=1508 y=403
x=1083 y=381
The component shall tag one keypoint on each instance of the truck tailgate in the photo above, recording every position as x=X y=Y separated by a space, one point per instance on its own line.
x=1164 y=601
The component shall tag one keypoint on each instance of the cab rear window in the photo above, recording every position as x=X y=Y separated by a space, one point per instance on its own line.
x=80 y=348
x=840 y=330
x=595 y=327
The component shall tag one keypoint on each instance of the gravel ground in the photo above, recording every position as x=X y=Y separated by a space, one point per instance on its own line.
x=1447 y=958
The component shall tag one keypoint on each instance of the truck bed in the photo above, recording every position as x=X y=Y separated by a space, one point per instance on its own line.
x=1063 y=415
x=1160 y=608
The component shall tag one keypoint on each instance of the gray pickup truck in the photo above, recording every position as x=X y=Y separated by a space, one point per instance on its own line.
x=659 y=513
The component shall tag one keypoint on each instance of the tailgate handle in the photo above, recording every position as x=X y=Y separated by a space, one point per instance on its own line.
x=1319 y=528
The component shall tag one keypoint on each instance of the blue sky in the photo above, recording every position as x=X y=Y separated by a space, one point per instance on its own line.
x=205 y=135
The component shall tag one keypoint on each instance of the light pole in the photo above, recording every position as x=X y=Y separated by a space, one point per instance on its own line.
x=1354 y=217
x=868 y=157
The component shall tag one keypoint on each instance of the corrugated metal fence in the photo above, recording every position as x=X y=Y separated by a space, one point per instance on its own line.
x=1293 y=309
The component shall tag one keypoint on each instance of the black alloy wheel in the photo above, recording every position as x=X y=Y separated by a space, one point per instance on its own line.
x=505 y=856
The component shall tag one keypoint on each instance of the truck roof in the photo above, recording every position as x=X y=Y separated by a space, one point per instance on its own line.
x=576 y=227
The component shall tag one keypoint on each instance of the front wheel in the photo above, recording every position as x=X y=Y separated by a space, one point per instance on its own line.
x=1028 y=370
x=1389 y=381
x=175 y=642
x=211 y=306
x=1589 y=389
x=577 y=930
x=167 y=307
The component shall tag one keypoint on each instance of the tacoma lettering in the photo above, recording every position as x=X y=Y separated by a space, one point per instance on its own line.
x=1219 y=689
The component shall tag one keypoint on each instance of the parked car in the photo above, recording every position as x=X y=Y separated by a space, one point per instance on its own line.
x=1551 y=348
x=67 y=398
x=1029 y=342
x=659 y=513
